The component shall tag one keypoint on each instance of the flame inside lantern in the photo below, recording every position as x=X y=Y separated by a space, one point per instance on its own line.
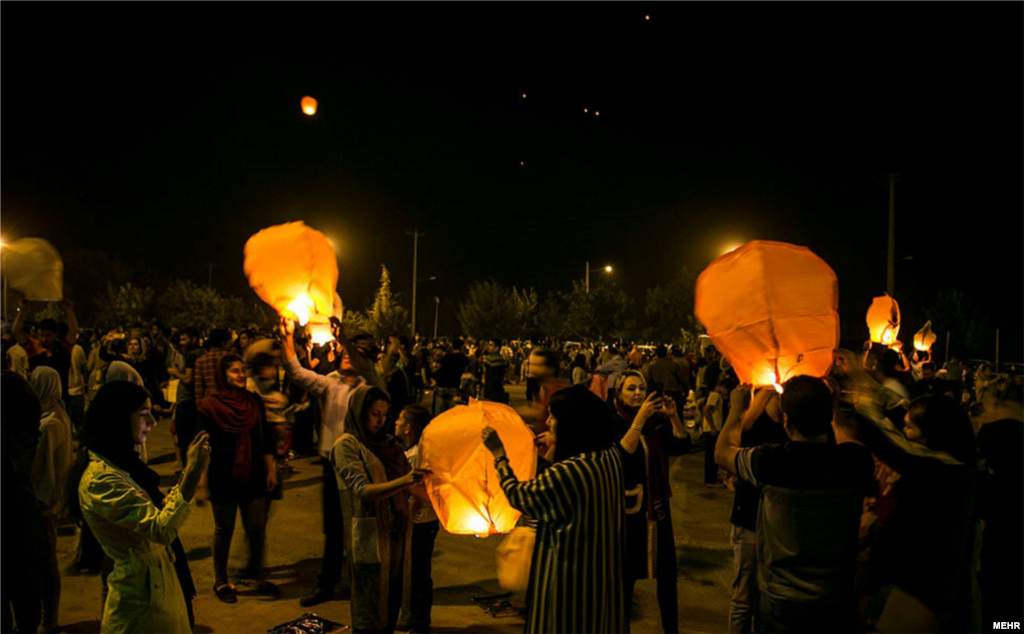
x=301 y=307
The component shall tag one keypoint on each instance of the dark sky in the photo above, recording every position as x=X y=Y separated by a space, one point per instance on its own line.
x=170 y=133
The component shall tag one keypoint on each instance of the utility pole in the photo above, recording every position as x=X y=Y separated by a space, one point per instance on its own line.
x=437 y=307
x=890 y=278
x=415 y=254
x=209 y=280
x=588 y=278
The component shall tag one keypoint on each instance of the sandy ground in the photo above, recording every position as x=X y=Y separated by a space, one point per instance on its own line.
x=463 y=566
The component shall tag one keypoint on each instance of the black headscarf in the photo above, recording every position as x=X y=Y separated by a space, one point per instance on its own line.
x=584 y=422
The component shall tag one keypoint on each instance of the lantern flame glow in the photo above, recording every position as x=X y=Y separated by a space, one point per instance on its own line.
x=925 y=338
x=301 y=307
x=309 y=105
x=883 y=320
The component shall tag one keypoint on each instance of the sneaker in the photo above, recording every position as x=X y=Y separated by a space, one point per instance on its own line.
x=226 y=593
x=320 y=596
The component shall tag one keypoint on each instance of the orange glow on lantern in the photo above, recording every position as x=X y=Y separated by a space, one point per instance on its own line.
x=770 y=308
x=293 y=268
x=309 y=105
x=464 y=488
x=883 y=320
x=925 y=338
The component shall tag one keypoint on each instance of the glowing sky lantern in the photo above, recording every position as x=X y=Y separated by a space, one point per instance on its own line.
x=771 y=309
x=884 y=320
x=33 y=266
x=309 y=105
x=293 y=268
x=925 y=338
x=464 y=487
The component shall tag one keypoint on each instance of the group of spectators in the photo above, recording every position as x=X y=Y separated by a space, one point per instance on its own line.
x=875 y=499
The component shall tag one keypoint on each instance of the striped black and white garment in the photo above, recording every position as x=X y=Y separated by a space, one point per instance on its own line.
x=576 y=582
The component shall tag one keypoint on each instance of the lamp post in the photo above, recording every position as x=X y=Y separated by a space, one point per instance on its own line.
x=5 y=285
x=607 y=269
x=437 y=307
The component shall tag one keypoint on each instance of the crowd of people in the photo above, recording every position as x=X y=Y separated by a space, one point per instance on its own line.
x=884 y=497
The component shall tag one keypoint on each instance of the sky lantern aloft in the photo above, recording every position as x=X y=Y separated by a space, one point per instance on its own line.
x=293 y=268
x=309 y=105
x=884 y=320
x=925 y=338
x=464 y=487
x=771 y=309
x=33 y=266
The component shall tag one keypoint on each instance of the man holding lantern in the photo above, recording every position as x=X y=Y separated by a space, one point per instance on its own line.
x=334 y=395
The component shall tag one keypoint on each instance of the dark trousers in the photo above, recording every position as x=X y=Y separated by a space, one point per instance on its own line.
x=186 y=417
x=22 y=600
x=302 y=433
x=76 y=411
x=666 y=575
x=334 y=529
x=254 y=521
x=789 y=616
x=50 y=576
x=421 y=600
x=710 y=466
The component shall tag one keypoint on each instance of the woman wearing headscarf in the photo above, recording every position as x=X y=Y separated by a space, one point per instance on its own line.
x=650 y=430
x=242 y=474
x=374 y=477
x=119 y=498
x=23 y=548
x=576 y=580
x=49 y=478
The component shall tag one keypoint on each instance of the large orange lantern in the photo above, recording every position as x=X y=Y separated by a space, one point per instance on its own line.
x=308 y=105
x=464 y=488
x=925 y=338
x=770 y=308
x=293 y=268
x=884 y=320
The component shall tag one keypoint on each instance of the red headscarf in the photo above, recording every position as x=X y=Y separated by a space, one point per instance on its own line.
x=236 y=411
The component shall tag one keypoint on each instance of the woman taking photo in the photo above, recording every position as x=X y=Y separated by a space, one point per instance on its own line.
x=577 y=572
x=650 y=431
x=119 y=498
x=242 y=474
x=374 y=477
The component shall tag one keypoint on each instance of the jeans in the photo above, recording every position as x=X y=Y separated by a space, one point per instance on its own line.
x=790 y=616
x=421 y=600
x=334 y=531
x=254 y=521
x=666 y=575
x=710 y=466
x=744 y=580
x=50 y=576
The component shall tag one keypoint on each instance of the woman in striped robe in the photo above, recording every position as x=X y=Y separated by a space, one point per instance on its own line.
x=576 y=580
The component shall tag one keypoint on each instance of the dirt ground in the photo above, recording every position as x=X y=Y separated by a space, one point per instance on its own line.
x=463 y=566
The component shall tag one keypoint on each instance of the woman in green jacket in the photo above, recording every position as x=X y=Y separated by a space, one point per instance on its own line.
x=135 y=528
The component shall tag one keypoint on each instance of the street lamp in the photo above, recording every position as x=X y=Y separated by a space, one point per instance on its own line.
x=607 y=269
x=437 y=307
x=2 y=245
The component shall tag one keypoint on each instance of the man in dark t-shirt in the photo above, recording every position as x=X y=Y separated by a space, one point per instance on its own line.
x=811 y=496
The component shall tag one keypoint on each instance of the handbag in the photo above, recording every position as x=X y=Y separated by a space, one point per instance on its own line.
x=515 y=557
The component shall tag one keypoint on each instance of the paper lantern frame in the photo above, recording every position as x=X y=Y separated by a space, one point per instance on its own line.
x=464 y=488
x=771 y=309
x=883 y=320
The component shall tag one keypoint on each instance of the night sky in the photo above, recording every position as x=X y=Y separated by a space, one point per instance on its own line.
x=170 y=133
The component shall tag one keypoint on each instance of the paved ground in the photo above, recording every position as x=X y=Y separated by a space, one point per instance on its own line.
x=463 y=566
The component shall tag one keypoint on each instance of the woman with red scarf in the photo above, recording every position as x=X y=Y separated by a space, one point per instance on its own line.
x=651 y=431
x=242 y=473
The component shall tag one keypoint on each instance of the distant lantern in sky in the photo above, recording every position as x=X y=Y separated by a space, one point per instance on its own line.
x=524 y=95
x=309 y=105
x=771 y=310
x=586 y=110
x=597 y=113
x=464 y=488
x=647 y=17
x=294 y=268
x=884 y=320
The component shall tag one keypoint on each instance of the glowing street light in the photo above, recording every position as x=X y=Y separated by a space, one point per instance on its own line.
x=731 y=247
x=607 y=269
